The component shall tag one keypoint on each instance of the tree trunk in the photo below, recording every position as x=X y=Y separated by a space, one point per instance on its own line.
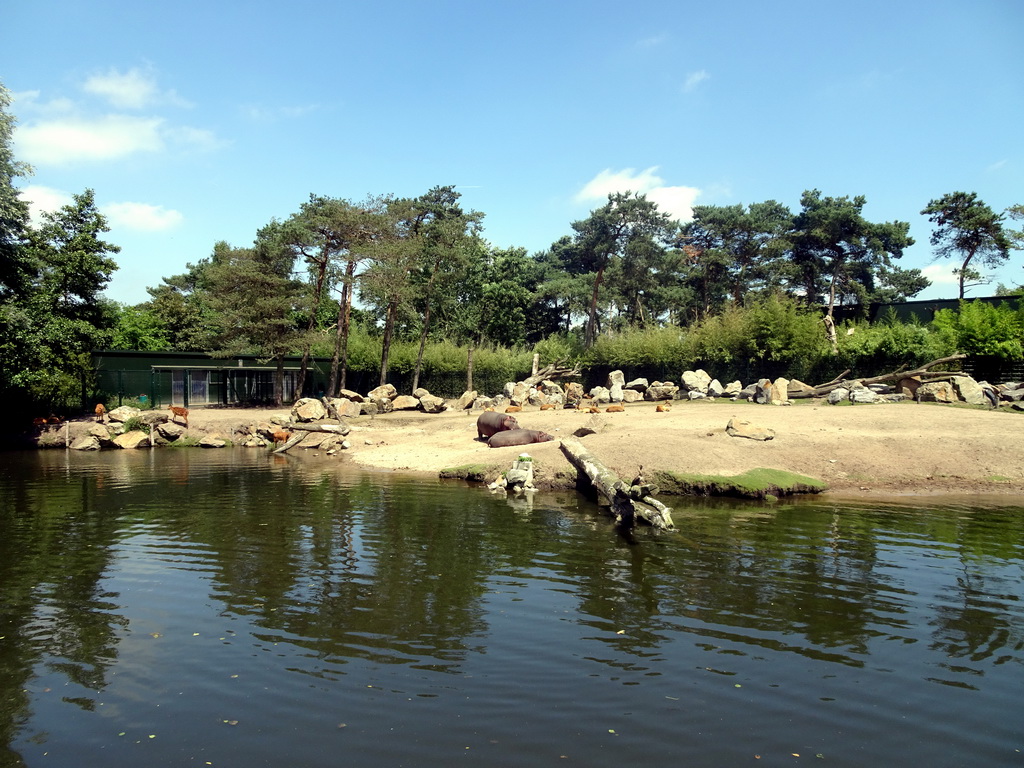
x=423 y=344
x=279 y=382
x=591 y=334
x=824 y=389
x=469 y=370
x=624 y=506
x=389 y=330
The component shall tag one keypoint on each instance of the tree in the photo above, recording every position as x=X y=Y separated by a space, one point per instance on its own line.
x=182 y=306
x=739 y=250
x=837 y=252
x=16 y=265
x=258 y=301
x=969 y=230
x=627 y=222
x=138 y=327
x=62 y=315
x=445 y=233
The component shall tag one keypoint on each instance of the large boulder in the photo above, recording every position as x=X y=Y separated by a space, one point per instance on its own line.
x=405 y=403
x=383 y=392
x=86 y=443
x=969 y=390
x=600 y=395
x=937 y=392
x=355 y=397
x=432 y=403
x=573 y=393
x=640 y=385
x=136 y=438
x=779 y=392
x=213 y=441
x=695 y=381
x=170 y=431
x=466 y=401
x=308 y=409
x=740 y=428
x=661 y=390
x=631 y=396
x=122 y=414
x=838 y=395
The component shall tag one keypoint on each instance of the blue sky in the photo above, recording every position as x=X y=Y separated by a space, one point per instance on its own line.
x=201 y=121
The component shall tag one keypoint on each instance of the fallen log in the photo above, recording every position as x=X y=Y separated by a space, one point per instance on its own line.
x=292 y=441
x=334 y=429
x=899 y=373
x=553 y=371
x=618 y=494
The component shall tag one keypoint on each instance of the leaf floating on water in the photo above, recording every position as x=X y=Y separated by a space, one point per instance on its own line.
x=230 y=722
x=621 y=632
x=155 y=634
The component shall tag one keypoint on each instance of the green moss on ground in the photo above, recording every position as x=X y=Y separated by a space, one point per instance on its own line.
x=755 y=484
x=476 y=473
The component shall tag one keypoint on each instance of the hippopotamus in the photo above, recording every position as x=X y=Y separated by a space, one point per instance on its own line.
x=491 y=422
x=517 y=437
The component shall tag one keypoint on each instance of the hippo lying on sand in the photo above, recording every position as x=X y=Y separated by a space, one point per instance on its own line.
x=518 y=437
x=491 y=422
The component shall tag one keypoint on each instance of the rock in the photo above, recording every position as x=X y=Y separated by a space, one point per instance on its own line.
x=369 y=409
x=573 y=393
x=383 y=392
x=600 y=395
x=152 y=418
x=405 y=403
x=748 y=392
x=212 y=441
x=763 y=391
x=535 y=397
x=733 y=388
x=86 y=443
x=969 y=390
x=432 y=404
x=909 y=385
x=838 y=395
x=937 y=392
x=419 y=393
x=549 y=387
x=631 y=396
x=737 y=428
x=797 y=387
x=695 y=381
x=466 y=401
x=483 y=403
x=616 y=393
x=170 y=431
x=383 y=404
x=863 y=395
x=779 y=392
x=693 y=394
x=347 y=409
x=134 y=439
x=308 y=409
x=123 y=413
x=639 y=385
x=355 y=397
x=661 y=390
x=616 y=379
x=881 y=389
x=554 y=398
x=715 y=388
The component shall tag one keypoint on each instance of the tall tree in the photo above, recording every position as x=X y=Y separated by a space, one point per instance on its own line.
x=258 y=301
x=387 y=282
x=16 y=266
x=968 y=229
x=837 y=252
x=748 y=244
x=182 y=305
x=64 y=314
x=445 y=234
x=627 y=221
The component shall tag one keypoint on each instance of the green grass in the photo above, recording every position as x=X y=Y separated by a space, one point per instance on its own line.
x=756 y=484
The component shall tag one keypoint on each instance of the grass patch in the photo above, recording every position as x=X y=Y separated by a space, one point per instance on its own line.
x=476 y=473
x=755 y=484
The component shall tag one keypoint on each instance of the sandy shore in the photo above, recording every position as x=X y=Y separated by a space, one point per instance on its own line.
x=887 y=449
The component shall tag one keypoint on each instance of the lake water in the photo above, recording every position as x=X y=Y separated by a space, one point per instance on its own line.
x=232 y=608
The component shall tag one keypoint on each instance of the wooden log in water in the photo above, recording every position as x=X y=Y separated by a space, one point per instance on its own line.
x=334 y=429
x=617 y=493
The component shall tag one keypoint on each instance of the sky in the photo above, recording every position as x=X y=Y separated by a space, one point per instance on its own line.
x=196 y=122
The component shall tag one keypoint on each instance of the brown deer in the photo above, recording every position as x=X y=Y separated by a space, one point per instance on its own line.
x=513 y=409
x=101 y=411
x=615 y=408
x=178 y=412
x=663 y=408
x=281 y=436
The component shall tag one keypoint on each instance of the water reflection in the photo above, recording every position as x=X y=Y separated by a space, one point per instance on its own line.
x=227 y=575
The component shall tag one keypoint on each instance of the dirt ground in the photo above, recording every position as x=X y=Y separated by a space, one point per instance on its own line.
x=881 y=449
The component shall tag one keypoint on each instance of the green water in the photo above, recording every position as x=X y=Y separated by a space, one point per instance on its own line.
x=228 y=608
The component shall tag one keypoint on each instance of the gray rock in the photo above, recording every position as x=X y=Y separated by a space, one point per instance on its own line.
x=937 y=392
x=838 y=395
x=600 y=394
x=631 y=396
x=123 y=413
x=432 y=404
x=969 y=390
x=640 y=385
x=739 y=428
x=136 y=438
x=308 y=409
x=170 y=431
x=384 y=391
x=405 y=403
x=419 y=393
x=863 y=395
x=715 y=388
x=86 y=443
x=695 y=381
x=213 y=441
x=465 y=402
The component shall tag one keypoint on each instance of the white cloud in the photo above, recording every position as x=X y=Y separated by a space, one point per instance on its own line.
x=142 y=216
x=693 y=79
x=42 y=199
x=940 y=273
x=62 y=141
x=677 y=201
x=133 y=89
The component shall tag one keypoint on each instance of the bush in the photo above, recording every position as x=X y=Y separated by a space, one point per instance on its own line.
x=979 y=328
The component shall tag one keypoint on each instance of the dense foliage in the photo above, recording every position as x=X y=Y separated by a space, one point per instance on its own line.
x=408 y=289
